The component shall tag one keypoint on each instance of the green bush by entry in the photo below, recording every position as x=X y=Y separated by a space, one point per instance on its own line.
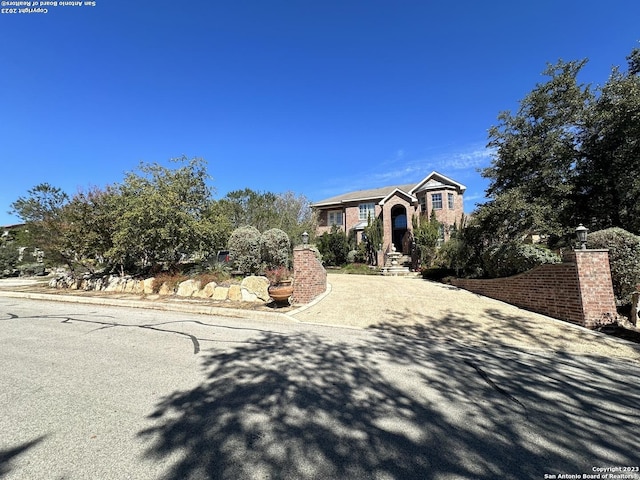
x=624 y=259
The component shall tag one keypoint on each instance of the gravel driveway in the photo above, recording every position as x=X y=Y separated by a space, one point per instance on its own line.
x=411 y=305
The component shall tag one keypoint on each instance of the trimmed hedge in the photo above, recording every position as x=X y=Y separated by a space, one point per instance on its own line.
x=514 y=257
x=275 y=247
x=244 y=248
x=624 y=259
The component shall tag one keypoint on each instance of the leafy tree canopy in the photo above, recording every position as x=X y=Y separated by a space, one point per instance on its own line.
x=569 y=155
x=41 y=210
x=265 y=210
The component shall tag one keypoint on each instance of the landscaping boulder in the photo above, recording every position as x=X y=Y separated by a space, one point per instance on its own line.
x=255 y=288
x=188 y=288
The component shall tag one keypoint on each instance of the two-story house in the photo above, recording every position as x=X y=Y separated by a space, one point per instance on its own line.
x=395 y=205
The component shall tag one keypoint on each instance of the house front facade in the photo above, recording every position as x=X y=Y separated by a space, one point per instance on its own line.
x=396 y=206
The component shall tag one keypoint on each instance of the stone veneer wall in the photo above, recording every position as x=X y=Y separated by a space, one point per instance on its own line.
x=579 y=290
x=309 y=276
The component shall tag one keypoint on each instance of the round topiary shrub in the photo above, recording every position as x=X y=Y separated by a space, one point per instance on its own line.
x=514 y=257
x=244 y=248
x=275 y=248
x=624 y=259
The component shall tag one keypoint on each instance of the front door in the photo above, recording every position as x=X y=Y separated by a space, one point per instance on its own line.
x=399 y=226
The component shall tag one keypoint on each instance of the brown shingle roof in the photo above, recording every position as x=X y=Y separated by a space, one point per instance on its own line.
x=371 y=194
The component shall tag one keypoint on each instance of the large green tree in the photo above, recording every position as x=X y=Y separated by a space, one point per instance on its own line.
x=265 y=210
x=533 y=172
x=249 y=207
x=163 y=215
x=569 y=155
x=609 y=174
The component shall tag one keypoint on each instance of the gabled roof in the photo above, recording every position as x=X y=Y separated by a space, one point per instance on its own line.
x=398 y=191
x=432 y=181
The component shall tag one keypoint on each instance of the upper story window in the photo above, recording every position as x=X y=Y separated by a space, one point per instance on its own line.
x=366 y=211
x=451 y=201
x=423 y=204
x=436 y=201
x=334 y=217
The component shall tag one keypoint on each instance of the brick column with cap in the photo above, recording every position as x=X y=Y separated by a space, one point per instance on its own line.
x=309 y=276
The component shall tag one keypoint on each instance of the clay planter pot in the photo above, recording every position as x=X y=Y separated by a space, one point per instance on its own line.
x=281 y=292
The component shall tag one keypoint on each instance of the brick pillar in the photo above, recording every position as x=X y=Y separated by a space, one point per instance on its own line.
x=309 y=276
x=596 y=287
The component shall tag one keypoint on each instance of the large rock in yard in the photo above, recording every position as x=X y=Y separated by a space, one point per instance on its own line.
x=165 y=290
x=235 y=293
x=207 y=291
x=148 y=285
x=220 y=293
x=255 y=289
x=188 y=288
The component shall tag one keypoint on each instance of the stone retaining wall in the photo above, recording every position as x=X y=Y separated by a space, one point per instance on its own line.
x=251 y=289
x=310 y=280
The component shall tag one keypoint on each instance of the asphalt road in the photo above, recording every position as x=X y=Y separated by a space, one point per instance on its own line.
x=90 y=392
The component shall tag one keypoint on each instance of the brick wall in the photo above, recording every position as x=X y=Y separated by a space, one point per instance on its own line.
x=309 y=276
x=387 y=227
x=579 y=290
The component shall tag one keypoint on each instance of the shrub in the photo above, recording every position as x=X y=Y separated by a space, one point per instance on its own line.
x=171 y=280
x=8 y=259
x=219 y=276
x=455 y=255
x=426 y=233
x=624 y=259
x=437 y=274
x=275 y=248
x=244 y=248
x=512 y=258
x=334 y=247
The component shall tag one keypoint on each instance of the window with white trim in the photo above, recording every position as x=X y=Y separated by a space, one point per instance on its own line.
x=436 y=201
x=366 y=211
x=440 y=234
x=423 y=204
x=334 y=217
x=451 y=201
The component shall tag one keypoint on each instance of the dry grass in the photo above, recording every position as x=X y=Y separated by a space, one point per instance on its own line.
x=170 y=280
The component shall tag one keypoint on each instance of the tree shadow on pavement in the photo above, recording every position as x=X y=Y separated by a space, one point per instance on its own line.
x=390 y=406
x=495 y=327
x=8 y=455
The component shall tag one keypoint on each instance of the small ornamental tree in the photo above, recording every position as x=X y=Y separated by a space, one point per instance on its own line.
x=624 y=259
x=426 y=233
x=275 y=248
x=244 y=248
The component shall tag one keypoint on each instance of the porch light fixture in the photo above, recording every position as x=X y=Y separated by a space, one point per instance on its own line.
x=305 y=238
x=581 y=233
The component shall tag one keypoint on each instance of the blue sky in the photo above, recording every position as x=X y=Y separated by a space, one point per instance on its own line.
x=317 y=97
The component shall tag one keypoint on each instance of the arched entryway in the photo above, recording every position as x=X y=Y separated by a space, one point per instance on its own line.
x=398 y=225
